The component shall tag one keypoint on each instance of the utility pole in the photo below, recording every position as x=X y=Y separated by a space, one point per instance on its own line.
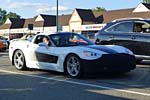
x=57 y=17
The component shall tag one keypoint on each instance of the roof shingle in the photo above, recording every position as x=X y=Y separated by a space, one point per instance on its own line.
x=146 y=5
x=49 y=20
x=17 y=23
x=86 y=15
x=64 y=19
x=29 y=21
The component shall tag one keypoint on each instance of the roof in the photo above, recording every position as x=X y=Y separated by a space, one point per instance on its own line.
x=17 y=23
x=109 y=16
x=147 y=5
x=64 y=19
x=86 y=15
x=28 y=21
x=50 y=20
x=5 y=26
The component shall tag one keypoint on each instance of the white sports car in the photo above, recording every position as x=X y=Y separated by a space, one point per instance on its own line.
x=70 y=53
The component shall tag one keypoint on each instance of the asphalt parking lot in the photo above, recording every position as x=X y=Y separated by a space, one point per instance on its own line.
x=46 y=85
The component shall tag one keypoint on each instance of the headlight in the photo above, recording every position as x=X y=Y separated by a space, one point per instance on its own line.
x=4 y=43
x=89 y=54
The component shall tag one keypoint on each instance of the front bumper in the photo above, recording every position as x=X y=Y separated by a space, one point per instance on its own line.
x=110 y=63
x=2 y=48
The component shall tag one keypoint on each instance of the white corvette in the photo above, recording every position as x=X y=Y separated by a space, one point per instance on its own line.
x=70 y=53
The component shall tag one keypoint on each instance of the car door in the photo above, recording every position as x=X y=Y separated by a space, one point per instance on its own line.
x=131 y=34
x=141 y=38
x=42 y=56
x=121 y=34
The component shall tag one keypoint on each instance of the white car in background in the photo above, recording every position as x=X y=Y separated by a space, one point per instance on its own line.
x=70 y=53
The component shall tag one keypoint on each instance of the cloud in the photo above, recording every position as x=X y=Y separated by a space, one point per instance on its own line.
x=49 y=9
x=17 y=5
x=61 y=8
x=38 y=7
x=8 y=1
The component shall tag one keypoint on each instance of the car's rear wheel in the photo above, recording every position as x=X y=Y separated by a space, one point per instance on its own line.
x=97 y=42
x=19 y=60
x=73 y=66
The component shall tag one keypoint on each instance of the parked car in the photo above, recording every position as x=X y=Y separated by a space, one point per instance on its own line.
x=5 y=41
x=70 y=53
x=89 y=35
x=133 y=34
x=24 y=37
x=27 y=36
x=2 y=45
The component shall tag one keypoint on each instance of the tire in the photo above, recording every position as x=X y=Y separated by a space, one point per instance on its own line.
x=19 y=60
x=73 y=66
x=138 y=61
x=97 y=42
x=3 y=49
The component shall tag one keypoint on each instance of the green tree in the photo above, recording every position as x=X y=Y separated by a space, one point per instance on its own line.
x=146 y=1
x=12 y=15
x=99 y=9
x=4 y=15
x=35 y=16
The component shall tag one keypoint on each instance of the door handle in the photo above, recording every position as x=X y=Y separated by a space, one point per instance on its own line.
x=133 y=37
x=111 y=36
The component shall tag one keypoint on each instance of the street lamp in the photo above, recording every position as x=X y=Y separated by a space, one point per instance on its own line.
x=57 y=17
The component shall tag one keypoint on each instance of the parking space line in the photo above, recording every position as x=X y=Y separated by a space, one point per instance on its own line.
x=78 y=83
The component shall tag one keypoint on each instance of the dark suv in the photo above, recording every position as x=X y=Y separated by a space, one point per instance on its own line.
x=133 y=34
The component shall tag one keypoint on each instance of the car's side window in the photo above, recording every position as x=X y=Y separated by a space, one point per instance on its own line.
x=122 y=27
x=141 y=27
x=39 y=39
x=56 y=40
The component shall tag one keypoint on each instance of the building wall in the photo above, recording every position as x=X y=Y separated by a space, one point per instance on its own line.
x=20 y=30
x=50 y=29
x=92 y=27
x=39 y=18
x=4 y=31
x=75 y=22
x=65 y=29
x=140 y=8
x=38 y=29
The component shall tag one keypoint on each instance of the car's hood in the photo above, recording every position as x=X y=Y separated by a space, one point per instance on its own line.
x=102 y=48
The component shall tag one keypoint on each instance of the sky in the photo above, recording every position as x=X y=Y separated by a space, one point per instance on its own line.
x=31 y=8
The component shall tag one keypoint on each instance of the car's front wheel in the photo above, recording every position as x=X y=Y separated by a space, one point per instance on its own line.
x=138 y=61
x=19 y=60
x=73 y=66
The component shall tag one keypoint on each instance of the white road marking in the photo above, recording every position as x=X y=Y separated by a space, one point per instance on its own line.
x=79 y=83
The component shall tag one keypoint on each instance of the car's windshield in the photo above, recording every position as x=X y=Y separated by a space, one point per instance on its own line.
x=30 y=38
x=69 y=39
